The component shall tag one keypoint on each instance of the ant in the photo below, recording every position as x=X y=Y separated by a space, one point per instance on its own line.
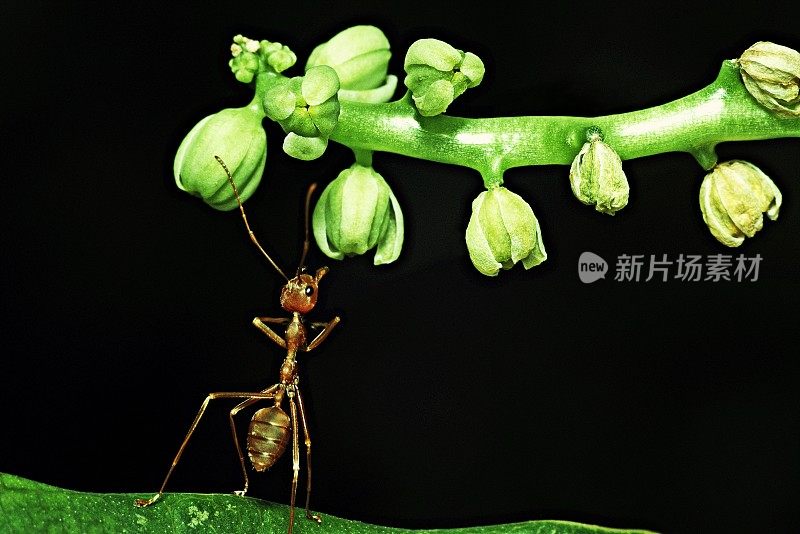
x=270 y=427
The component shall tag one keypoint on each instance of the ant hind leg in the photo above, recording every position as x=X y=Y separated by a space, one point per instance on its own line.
x=302 y=410
x=236 y=409
x=141 y=503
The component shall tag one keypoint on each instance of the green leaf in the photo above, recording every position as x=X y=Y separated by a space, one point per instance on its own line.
x=28 y=506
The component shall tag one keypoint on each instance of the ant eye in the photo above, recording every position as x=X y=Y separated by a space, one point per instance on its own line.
x=309 y=291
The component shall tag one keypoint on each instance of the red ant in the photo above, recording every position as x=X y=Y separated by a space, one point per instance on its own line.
x=270 y=427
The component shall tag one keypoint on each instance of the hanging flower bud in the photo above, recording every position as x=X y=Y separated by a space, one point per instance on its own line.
x=358 y=212
x=437 y=73
x=502 y=231
x=597 y=178
x=360 y=56
x=236 y=136
x=307 y=109
x=771 y=73
x=733 y=198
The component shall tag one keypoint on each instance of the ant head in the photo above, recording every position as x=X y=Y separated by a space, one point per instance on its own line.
x=300 y=293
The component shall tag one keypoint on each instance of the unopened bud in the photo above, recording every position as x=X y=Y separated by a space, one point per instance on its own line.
x=360 y=56
x=437 y=73
x=237 y=137
x=771 y=73
x=358 y=212
x=597 y=178
x=244 y=64
x=733 y=198
x=277 y=56
x=307 y=109
x=502 y=231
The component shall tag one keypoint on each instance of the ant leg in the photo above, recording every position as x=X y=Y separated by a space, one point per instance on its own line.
x=295 y=459
x=259 y=323
x=275 y=320
x=322 y=335
x=141 y=503
x=236 y=409
x=302 y=410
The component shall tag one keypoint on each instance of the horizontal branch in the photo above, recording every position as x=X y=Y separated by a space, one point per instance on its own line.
x=723 y=111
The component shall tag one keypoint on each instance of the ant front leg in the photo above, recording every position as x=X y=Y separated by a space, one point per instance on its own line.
x=328 y=327
x=259 y=323
x=141 y=503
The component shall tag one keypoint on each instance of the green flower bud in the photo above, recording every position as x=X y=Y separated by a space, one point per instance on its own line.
x=437 y=73
x=502 y=231
x=597 y=178
x=771 y=73
x=360 y=56
x=307 y=109
x=277 y=56
x=248 y=44
x=733 y=198
x=358 y=212
x=244 y=65
x=250 y=56
x=236 y=136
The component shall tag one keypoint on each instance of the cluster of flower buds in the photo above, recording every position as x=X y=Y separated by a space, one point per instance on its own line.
x=502 y=231
x=357 y=212
x=733 y=198
x=771 y=74
x=437 y=73
x=360 y=56
x=236 y=135
x=353 y=64
x=307 y=108
x=251 y=56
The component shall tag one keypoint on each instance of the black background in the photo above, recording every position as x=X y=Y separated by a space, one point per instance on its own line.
x=445 y=398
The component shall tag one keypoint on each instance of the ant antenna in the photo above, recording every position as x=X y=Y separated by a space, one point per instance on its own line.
x=307 y=242
x=244 y=217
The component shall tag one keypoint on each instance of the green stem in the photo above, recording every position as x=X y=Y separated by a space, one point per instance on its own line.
x=722 y=111
x=256 y=107
x=363 y=157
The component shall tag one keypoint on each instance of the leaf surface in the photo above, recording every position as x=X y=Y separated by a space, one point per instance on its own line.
x=28 y=506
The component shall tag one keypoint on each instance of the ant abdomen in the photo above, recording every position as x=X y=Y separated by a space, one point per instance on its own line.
x=267 y=437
